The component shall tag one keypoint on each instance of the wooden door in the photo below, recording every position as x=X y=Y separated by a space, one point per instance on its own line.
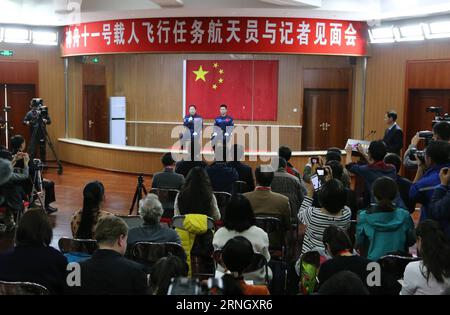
x=326 y=119
x=19 y=97
x=95 y=114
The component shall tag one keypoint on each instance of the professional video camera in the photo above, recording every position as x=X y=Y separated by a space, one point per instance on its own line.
x=439 y=117
x=38 y=105
x=191 y=286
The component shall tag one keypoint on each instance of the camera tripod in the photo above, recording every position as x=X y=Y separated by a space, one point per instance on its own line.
x=42 y=131
x=138 y=193
x=37 y=192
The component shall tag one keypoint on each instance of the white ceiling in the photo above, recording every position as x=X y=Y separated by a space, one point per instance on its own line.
x=62 y=12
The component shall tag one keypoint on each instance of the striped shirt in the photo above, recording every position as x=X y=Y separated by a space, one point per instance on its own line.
x=317 y=221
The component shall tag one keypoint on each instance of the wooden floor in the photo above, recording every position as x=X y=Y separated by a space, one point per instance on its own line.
x=119 y=191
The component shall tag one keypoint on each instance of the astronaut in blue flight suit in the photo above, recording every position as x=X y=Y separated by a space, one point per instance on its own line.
x=194 y=123
x=223 y=124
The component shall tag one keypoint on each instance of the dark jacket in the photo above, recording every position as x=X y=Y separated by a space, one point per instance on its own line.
x=245 y=173
x=108 y=272
x=222 y=176
x=38 y=264
x=394 y=139
x=152 y=233
x=404 y=186
x=167 y=179
x=370 y=173
x=440 y=208
x=183 y=167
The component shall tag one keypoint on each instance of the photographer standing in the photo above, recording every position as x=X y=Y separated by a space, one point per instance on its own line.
x=37 y=118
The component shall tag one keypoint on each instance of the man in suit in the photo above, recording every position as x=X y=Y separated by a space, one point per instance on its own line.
x=107 y=271
x=393 y=136
x=221 y=175
x=168 y=179
x=245 y=172
x=265 y=202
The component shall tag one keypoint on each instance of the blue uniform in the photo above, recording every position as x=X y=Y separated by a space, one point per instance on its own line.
x=223 y=123
x=193 y=123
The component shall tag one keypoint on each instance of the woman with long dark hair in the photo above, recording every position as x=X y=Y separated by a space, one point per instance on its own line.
x=431 y=275
x=83 y=221
x=384 y=228
x=196 y=196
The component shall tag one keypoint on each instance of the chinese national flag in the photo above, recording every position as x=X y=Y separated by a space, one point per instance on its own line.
x=248 y=87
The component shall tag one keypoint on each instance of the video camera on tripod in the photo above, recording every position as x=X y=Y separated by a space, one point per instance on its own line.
x=428 y=135
x=41 y=111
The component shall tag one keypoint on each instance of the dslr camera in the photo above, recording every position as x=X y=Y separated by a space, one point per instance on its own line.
x=419 y=153
x=190 y=286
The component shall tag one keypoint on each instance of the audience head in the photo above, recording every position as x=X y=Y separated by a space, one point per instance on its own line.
x=343 y=283
x=333 y=154
x=150 y=209
x=6 y=170
x=164 y=270
x=285 y=152
x=377 y=150
x=167 y=160
x=192 y=109
x=238 y=152
x=34 y=229
x=336 y=168
x=390 y=117
x=237 y=254
x=434 y=249
x=437 y=153
x=17 y=143
x=239 y=214
x=332 y=196
x=385 y=190
x=6 y=155
x=336 y=240
x=196 y=193
x=93 y=196
x=441 y=131
x=393 y=159
x=264 y=175
x=111 y=232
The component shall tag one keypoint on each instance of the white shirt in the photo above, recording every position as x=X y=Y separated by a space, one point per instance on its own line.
x=415 y=281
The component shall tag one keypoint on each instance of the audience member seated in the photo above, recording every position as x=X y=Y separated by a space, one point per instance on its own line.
x=288 y=185
x=239 y=220
x=314 y=221
x=33 y=259
x=403 y=184
x=337 y=244
x=237 y=255
x=427 y=176
x=286 y=153
x=168 y=179
x=12 y=187
x=108 y=271
x=185 y=165
x=220 y=174
x=344 y=283
x=265 y=202
x=440 y=202
x=384 y=228
x=164 y=270
x=18 y=146
x=375 y=169
x=151 y=210
x=441 y=132
x=83 y=221
x=196 y=196
x=245 y=172
x=430 y=276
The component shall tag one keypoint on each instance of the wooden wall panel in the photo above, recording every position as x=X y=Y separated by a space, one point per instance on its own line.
x=386 y=75
x=50 y=81
x=428 y=74
x=340 y=78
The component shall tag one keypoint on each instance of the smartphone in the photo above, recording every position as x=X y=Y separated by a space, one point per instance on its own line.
x=320 y=171
x=314 y=160
x=316 y=182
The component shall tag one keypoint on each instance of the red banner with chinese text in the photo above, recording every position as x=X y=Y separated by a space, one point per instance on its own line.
x=249 y=88
x=223 y=34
